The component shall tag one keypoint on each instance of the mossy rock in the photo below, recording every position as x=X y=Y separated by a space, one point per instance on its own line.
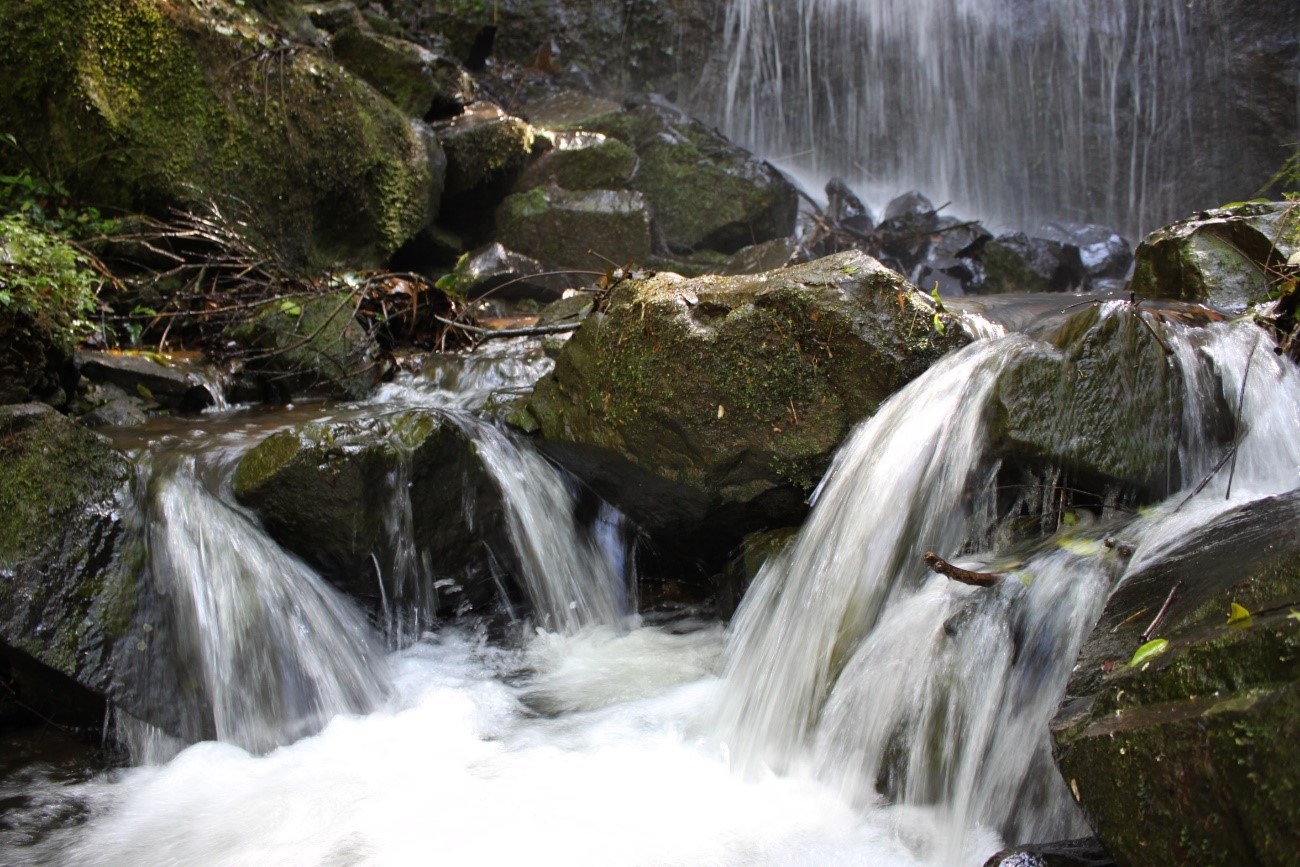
x=148 y=105
x=1101 y=401
x=312 y=345
x=735 y=390
x=421 y=83
x=1226 y=257
x=486 y=148
x=582 y=161
x=327 y=492
x=1188 y=758
x=705 y=191
x=64 y=600
x=579 y=230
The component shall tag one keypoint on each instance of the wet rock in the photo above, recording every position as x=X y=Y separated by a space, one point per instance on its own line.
x=721 y=399
x=63 y=604
x=339 y=494
x=845 y=209
x=149 y=105
x=912 y=205
x=1222 y=257
x=119 y=412
x=1019 y=263
x=506 y=275
x=904 y=234
x=581 y=161
x=576 y=111
x=583 y=230
x=1085 y=852
x=705 y=191
x=754 y=551
x=418 y=81
x=310 y=345
x=1101 y=401
x=1188 y=758
x=170 y=386
x=950 y=275
x=1104 y=253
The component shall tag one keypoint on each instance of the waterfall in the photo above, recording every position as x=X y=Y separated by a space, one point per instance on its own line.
x=1017 y=112
x=849 y=661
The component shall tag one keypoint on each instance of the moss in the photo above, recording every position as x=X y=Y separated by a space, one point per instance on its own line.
x=484 y=148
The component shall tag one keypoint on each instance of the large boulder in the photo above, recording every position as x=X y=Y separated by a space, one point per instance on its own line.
x=1186 y=756
x=1101 y=401
x=418 y=81
x=582 y=161
x=1228 y=258
x=705 y=191
x=348 y=497
x=585 y=230
x=64 y=605
x=724 y=397
x=312 y=344
x=151 y=105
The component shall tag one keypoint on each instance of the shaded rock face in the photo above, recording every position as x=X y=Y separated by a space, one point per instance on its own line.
x=1101 y=402
x=1189 y=758
x=147 y=105
x=582 y=161
x=170 y=386
x=723 y=398
x=421 y=83
x=1227 y=258
x=1019 y=263
x=579 y=230
x=486 y=150
x=348 y=496
x=310 y=345
x=64 y=603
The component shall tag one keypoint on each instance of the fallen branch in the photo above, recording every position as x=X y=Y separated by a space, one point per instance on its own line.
x=490 y=333
x=956 y=573
x=1160 y=615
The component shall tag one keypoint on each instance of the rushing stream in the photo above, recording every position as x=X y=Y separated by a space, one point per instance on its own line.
x=860 y=710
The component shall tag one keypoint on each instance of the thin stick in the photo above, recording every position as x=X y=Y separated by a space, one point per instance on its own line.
x=490 y=333
x=1160 y=615
x=1241 y=402
x=956 y=573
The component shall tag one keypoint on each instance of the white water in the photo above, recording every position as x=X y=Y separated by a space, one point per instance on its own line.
x=1016 y=112
x=626 y=743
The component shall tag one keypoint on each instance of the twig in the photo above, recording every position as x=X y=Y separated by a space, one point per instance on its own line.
x=1127 y=620
x=1160 y=615
x=490 y=333
x=956 y=573
x=1205 y=481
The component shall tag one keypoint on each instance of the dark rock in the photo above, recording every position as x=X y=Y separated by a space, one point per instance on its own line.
x=334 y=16
x=1103 y=252
x=506 y=275
x=755 y=550
x=845 y=209
x=172 y=387
x=310 y=345
x=64 y=604
x=950 y=276
x=121 y=412
x=328 y=491
x=1101 y=401
x=583 y=230
x=1019 y=263
x=904 y=235
x=911 y=205
x=1188 y=758
x=1221 y=257
x=757 y=258
x=484 y=146
x=418 y=81
x=1086 y=852
x=575 y=111
x=722 y=399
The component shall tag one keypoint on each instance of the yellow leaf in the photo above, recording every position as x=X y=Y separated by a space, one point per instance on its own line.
x=1238 y=615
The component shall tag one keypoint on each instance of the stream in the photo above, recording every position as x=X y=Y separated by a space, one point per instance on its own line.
x=858 y=710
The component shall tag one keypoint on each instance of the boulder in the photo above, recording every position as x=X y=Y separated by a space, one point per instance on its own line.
x=145 y=105
x=65 y=606
x=581 y=161
x=585 y=230
x=171 y=386
x=335 y=494
x=1226 y=257
x=1104 y=253
x=723 y=398
x=310 y=345
x=757 y=258
x=1187 y=756
x=420 y=82
x=1019 y=263
x=704 y=190
x=506 y=275
x=1101 y=401
x=1085 y=852
x=486 y=148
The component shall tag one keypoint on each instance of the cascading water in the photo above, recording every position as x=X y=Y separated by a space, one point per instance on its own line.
x=1017 y=112
x=904 y=715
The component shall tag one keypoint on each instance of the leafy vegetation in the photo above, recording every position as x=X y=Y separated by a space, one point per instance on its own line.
x=43 y=277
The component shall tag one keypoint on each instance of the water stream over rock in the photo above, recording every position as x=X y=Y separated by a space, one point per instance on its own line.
x=861 y=709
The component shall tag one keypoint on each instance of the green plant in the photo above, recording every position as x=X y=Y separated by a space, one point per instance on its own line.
x=45 y=278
